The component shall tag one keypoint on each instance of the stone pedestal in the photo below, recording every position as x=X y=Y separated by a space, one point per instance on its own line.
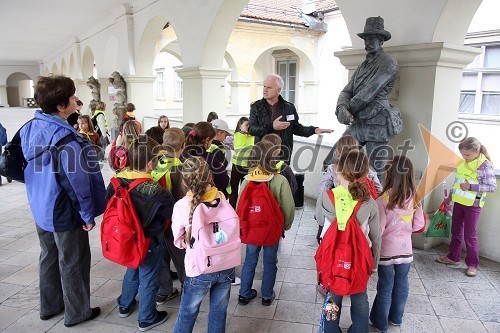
x=203 y=92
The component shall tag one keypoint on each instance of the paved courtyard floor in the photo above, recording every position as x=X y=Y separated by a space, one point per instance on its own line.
x=442 y=299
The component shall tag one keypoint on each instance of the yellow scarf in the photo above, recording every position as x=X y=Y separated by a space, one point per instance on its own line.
x=133 y=174
x=258 y=174
x=209 y=195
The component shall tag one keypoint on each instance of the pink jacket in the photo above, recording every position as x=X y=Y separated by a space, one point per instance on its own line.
x=396 y=245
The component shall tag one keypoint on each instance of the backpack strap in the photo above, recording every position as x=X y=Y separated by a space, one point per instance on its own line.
x=332 y=199
x=116 y=183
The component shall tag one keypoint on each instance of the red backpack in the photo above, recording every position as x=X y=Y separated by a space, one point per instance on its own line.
x=261 y=219
x=122 y=236
x=344 y=260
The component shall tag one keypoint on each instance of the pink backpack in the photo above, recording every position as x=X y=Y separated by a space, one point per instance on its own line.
x=215 y=236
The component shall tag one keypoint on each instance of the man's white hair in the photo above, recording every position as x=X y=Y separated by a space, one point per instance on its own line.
x=277 y=79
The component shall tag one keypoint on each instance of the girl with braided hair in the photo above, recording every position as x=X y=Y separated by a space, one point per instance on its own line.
x=197 y=177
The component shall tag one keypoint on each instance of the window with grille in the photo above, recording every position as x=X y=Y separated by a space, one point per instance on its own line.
x=178 y=86
x=288 y=72
x=160 y=84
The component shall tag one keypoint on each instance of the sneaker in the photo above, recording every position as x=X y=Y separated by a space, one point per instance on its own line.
x=236 y=281
x=125 y=312
x=47 y=317
x=268 y=301
x=161 y=317
x=471 y=271
x=447 y=261
x=162 y=299
x=245 y=300
x=394 y=324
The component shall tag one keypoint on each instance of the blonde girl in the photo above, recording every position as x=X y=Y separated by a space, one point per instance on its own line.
x=473 y=180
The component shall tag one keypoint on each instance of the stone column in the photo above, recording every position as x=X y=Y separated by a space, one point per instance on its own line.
x=140 y=92
x=83 y=93
x=240 y=97
x=428 y=94
x=308 y=101
x=203 y=92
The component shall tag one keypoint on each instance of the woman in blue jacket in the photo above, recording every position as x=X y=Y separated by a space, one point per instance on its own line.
x=66 y=192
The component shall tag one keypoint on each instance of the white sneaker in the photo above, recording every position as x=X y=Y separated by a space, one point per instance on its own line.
x=236 y=281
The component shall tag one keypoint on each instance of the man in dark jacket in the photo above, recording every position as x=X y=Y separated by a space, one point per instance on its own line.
x=272 y=114
x=66 y=192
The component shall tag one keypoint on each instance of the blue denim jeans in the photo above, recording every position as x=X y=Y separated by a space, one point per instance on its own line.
x=359 y=314
x=392 y=293
x=143 y=281
x=268 y=275
x=195 y=289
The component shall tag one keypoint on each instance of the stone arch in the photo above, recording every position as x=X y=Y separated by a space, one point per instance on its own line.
x=19 y=86
x=231 y=64
x=87 y=63
x=149 y=47
x=266 y=64
x=64 y=70
x=55 y=70
x=72 y=66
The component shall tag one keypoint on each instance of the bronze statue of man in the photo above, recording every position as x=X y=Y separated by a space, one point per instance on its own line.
x=363 y=104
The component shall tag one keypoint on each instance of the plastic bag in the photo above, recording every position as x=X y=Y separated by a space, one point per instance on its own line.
x=440 y=225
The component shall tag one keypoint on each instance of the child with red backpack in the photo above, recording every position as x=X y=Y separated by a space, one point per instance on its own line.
x=350 y=246
x=153 y=205
x=400 y=215
x=168 y=174
x=206 y=225
x=266 y=209
x=329 y=179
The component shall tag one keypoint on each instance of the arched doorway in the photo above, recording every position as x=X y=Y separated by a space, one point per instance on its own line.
x=19 y=89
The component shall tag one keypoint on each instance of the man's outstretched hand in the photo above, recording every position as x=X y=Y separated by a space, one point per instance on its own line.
x=321 y=131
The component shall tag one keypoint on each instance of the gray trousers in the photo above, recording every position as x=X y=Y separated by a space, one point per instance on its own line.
x=65 y=274
x=165 y=282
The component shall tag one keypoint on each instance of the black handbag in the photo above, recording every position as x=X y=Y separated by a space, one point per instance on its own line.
x=12 y=161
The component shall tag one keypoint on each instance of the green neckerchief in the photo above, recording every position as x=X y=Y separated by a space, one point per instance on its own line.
x=344 y=206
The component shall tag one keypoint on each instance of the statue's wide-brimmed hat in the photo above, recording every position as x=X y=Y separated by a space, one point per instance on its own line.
x=375 y=26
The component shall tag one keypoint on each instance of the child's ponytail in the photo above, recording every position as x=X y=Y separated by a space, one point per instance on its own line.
x=197 y=177
x=353 y=166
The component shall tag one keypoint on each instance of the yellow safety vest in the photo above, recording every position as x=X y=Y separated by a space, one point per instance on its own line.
x=467 y=171
x=94 y=119
x=243 y=144
x=164 y=168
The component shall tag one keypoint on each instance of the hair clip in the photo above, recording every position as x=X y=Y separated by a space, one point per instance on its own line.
x=192 y=133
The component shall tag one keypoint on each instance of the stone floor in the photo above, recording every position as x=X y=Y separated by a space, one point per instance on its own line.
x=442 y=299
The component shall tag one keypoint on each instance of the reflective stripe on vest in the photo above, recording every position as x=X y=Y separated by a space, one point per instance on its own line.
x=243 y=144
x=467 y=172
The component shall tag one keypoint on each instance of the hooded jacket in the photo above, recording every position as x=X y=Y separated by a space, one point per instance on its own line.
x=63 y=181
